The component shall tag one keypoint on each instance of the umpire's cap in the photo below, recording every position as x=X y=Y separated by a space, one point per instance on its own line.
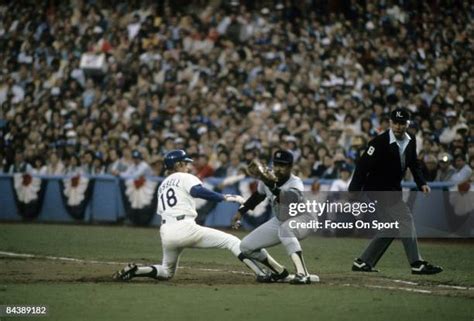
x=283 y=157
x=175 y=156
x=400 y=115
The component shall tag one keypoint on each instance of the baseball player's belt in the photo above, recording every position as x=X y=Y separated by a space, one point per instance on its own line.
x=177 y=218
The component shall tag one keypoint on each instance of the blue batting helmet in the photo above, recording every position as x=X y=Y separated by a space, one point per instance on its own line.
x=178 y=155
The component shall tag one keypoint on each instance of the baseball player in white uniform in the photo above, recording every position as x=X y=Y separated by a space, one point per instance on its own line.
x=276 y=230
x=179 y=230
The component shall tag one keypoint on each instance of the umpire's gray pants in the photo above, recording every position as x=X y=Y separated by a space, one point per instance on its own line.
x=382 y=240
x=271 y=233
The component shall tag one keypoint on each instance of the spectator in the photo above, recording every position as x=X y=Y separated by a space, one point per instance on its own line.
x=446 y=170
x=463 y=170
x=139 y=166
x=54 y=166
x=430 y=168
x=202 y=167
x=157 y=165
x=235 y=165
x=429 y=92
x=449 y=133
x=438 y=125
x=88 y=162
x=224 y=163
x=74 y=166
x=115 y=165
x=319 y=167
x=39 y=166
x=384 y=125
x=20 y=165
x=154 y=146
x=367 y=128
x=342 y=183
x=98 y=164
x=330 y=169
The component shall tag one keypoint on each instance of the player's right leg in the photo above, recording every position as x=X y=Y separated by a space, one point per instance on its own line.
x=206 y=237
x=289 y=238
x=174 y=238
x=165 y=271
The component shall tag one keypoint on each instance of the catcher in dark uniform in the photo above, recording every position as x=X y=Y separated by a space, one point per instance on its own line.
x=274 y=184
x=381 y=169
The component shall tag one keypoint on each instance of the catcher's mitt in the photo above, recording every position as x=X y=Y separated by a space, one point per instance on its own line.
x=258 y=170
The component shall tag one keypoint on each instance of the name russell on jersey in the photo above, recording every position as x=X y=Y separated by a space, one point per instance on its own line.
x=169 y=183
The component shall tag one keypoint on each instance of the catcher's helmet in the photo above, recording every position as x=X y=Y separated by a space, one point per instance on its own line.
x=178 y=155
x=283 y=157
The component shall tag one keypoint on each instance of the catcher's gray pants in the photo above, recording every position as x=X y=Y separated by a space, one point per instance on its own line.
x=382 y=240
x=271 y=233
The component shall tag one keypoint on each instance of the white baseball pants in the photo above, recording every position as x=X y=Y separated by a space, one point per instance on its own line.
x=178 y=235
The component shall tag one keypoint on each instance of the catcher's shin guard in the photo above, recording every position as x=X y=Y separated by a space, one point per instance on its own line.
x=251 y=264
x=298 y=261
x=272 y=264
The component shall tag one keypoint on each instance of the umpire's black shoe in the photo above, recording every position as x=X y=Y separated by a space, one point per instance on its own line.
x=360 y=266
x=300 y=279
x=127 y=273
x=423 y=267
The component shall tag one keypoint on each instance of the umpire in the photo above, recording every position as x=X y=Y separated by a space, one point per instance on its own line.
x=381 y=169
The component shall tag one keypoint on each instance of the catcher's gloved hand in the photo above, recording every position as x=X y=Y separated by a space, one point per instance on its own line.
x=258 y=170
x=234 y=198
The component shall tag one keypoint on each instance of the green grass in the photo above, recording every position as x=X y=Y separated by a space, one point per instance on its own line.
x=193 y=295
x=165 y=302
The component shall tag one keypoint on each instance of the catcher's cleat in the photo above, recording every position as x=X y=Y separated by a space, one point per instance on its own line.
x=127 y=273
x=273 y=277
x=423 y=267
x=280 y=276
x=361 y=266
x=265 y=278
x=301 y=279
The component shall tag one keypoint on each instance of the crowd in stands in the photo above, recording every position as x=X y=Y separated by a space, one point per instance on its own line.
x=229 y=81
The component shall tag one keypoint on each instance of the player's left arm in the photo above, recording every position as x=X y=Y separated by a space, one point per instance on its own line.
x=193 y=185
x=199 y=191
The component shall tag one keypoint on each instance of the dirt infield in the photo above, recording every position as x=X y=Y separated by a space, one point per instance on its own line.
x=20 y=270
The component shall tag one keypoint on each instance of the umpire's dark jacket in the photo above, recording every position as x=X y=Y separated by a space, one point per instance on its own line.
x=379 y=167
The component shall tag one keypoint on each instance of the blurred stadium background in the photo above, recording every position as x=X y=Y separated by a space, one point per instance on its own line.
x=99 y=92
x=94 y=93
